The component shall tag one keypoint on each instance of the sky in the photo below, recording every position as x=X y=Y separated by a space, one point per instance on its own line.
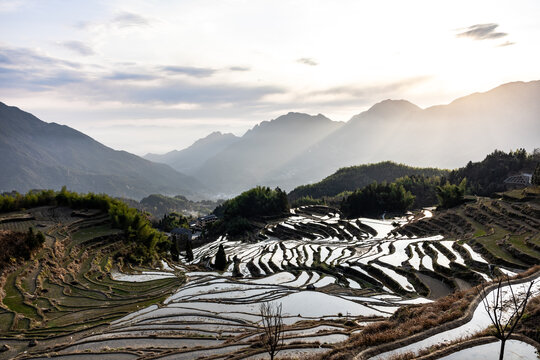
x=153 y=76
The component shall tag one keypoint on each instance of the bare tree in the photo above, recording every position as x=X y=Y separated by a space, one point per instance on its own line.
x=272 y=323
x=505 y=308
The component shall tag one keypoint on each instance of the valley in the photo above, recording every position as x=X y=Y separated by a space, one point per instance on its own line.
x=76 y=300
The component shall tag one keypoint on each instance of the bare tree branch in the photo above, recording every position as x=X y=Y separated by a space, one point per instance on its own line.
x=272 y=323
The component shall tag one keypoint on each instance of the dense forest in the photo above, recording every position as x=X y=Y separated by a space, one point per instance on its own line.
x=146 y=243
x=486 y=177
x=355 y=177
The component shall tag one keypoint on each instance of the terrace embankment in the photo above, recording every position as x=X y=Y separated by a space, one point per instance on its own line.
x=66 y=286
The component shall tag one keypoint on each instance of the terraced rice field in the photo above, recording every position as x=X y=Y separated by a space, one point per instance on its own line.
x=68 y=286
x=331 y=275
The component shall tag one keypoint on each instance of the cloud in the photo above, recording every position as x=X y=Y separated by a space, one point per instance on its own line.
x=127 y=19
x=239 y=68
x=507 y=43
x=482 y=32
x=129 y=76
x=190 y=71
x=78 y=47
x=25 y=69
x=307 y=61
x=358 y=91
x=28 y=57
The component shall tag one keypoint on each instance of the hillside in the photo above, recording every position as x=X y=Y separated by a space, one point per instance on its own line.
x=190 y=159
x=354 y=177
x=158 y=205
x=40 y=155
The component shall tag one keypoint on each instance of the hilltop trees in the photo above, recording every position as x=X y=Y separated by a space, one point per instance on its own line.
x=487 y=176
x=236 y=214
x=375 y=199
x=450 y=195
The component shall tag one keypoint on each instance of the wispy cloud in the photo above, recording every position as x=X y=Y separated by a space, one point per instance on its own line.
x=190 y=71
x=307 y=61
x=126 y=19
x=78 y=47
x=239 y=68
x=130 y=76
x=507 y=43
x=358 y=91
x=482 y=32
x=27 y=70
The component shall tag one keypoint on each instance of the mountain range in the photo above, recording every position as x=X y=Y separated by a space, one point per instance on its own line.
x=298 y=148
x=40 y=155
x=291 y=150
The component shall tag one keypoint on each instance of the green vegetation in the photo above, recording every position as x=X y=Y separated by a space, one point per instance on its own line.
x=189 y=250
x=487 y=177
x=375 y=199
x=236 y=215
x=66 y=285
x=19 y=246
x=171 y=221
x=355 y=177
x=451 y=195
x=536 y=175
x=148 y=243
x=307 y=200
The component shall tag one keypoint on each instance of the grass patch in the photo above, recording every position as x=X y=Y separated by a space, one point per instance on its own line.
x=93 y=232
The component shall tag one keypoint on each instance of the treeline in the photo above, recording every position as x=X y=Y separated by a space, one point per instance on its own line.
x=351 y=178
x=401 y=195
x=148 y=244
x=444 y=189
x=486 y=177
x=255 y=204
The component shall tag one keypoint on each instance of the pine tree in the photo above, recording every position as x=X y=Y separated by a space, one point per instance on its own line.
x=536 y=175
x=189 y=251
x=221 y=259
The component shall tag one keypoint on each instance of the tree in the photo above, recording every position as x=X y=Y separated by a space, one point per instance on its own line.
x=189 y=250
x=221 y=259
x=272 y=323
x=375 y=199
x=451 y=195
x=536 y=175
x=505 y=309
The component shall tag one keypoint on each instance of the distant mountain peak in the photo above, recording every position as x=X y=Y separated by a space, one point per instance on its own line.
x=386 y=109
x=394 y=105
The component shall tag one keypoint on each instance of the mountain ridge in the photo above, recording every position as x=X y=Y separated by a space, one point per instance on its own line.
x=44 y=155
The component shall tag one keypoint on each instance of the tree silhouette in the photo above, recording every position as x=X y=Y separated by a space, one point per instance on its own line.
x=189 y=250
x=272 y=323
x=221 y=259
x=505 y=308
